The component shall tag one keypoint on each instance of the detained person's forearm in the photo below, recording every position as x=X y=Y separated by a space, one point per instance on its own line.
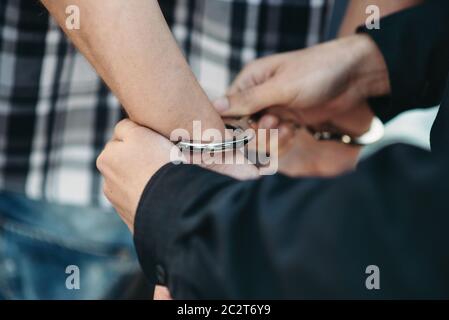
x=131 y=47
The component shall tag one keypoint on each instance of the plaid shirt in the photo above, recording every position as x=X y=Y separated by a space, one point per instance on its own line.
x=56 y=114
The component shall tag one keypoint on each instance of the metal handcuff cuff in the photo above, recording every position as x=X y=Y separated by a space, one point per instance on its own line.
x=242 y=137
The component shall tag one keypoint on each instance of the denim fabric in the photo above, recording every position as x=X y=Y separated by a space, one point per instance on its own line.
x=39 y=240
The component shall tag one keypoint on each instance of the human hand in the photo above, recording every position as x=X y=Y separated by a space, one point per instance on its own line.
x=312 y=86
x=128 y=162
x=303 y=155
x=316 y=87
x=135 y=154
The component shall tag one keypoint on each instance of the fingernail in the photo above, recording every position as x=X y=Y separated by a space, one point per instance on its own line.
x=222 y=104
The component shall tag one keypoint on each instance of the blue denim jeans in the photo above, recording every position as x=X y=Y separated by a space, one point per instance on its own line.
x=39 y=241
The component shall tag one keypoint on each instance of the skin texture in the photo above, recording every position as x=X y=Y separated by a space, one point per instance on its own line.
x=132 y=157
x=143 y=71
x=324 y=85
x=118 y=168
x=301 y=155
x=136 y=153
x=131 y=47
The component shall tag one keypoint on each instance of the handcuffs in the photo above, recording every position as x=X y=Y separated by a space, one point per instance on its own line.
x=242 y=137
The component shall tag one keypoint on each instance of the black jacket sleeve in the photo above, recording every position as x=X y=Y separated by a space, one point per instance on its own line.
x=415 y=45
x=278 y=237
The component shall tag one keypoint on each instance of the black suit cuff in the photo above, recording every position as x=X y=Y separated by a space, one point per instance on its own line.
x=414 y=45
x=171 y=192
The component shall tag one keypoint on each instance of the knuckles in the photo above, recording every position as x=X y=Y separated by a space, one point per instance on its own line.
x=102 y=161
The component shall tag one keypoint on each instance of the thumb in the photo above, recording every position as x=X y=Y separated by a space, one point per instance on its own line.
x=248 y=101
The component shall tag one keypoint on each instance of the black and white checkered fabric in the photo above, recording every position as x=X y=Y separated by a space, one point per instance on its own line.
x=56 y=114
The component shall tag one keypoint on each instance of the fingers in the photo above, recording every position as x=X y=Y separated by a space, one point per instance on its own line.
x=285 y=134
x=255 y=73
x=120 y=132
x=123 y=128
x=253 y=90
x=104 y=159
x=243 y=82
x=161 y=293
x=268 y=122
x=249 y=101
